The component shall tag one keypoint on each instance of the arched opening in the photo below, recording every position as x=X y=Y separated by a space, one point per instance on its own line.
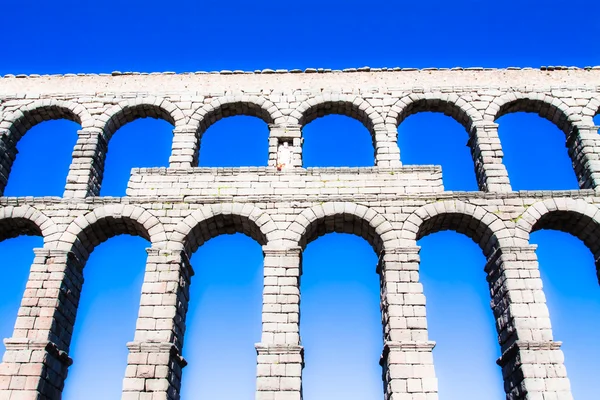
x=568 y=249
x=106 y=287
x=535 y=154
x=459 y=318
x=17 y=124
x=18 y=237
x=434 y=138
x=239 y=141
x=42 y=160
x=223 y=319
x=337 y=141
x=340 y=314
x=571 y=289
x=340 y=139
x=341 y=319
x=236 y=141
x=141 y=143
x=457 y=296
x=106 y=318
x=224 y=314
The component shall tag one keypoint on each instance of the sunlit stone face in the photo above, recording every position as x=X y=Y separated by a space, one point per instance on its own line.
x=343 y=153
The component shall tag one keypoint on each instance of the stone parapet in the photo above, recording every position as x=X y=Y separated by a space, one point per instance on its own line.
x=251 y=182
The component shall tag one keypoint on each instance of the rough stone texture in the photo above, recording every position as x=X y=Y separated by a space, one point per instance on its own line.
x=284 y=207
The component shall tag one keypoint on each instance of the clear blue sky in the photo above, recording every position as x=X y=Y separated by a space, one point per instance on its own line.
x=340 y=293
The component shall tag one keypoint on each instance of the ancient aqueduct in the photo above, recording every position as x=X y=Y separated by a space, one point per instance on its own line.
x=284 y=207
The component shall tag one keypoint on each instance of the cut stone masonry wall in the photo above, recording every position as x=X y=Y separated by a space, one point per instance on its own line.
x=284 y=206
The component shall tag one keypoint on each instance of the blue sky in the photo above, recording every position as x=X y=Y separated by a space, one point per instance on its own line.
x=340 y=294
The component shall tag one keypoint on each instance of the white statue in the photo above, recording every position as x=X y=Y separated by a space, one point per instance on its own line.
x=284 y=156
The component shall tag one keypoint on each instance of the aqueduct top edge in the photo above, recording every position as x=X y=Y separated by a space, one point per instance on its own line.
x=283 y=80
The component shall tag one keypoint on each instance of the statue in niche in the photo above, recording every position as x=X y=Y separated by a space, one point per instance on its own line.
x=284 y=156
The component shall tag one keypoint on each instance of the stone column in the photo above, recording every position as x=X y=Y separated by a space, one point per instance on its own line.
x=184 y=153
x=486 y=150
x=285 y=146
x=407 y=359
x=8 y=152
x=154 y=364
x=532 y=362
x=387 y=152
x=584 y=149
x=35 y=363
x=280 y=356
x=87 y=165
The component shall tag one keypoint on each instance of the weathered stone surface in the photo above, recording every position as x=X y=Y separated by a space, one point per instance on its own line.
x=284 y=207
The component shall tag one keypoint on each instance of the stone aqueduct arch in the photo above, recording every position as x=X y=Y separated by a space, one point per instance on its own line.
x=197 y=227
x=284 y=207
x=549 y=107
x=26 y=220
x=577 y=217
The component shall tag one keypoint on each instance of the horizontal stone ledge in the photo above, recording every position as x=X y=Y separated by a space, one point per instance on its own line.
x=401 y=250
x=300 y=198
x=405 y=346
x=50 y=253
x=498 y=254
x=24 y=344
x=158 y=347
x=289 y=171
x=283 y=131
x=585 y=194
x=279 y=251
x=278 y=349
x=381 y=261
x=174 y=256
x=526 y=345
x=485 y=125
x=409 y=345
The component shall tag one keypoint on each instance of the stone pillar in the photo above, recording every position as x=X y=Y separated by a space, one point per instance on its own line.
x=8 y=152
x=285 y=146
x=407 y=360
x=184 y=153
x=532 y=362
x=597 y=258
x=154 y=364
x=35 y=363
x=487 y=154
x=87 y=165
x=387 y=152
x=584 y=149
x=280 y=356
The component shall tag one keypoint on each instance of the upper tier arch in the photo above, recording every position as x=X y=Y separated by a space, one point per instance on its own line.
x=18 y=122
x=230 y=106
x=14 y=125
x=129 y=110
x=326 y=104
x=451 y=105
x=551 y=108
